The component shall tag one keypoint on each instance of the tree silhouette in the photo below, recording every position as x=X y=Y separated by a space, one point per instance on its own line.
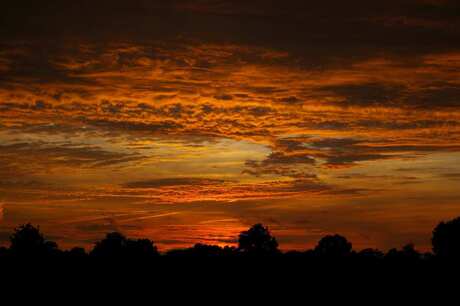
x=76 y=253
x=407 y=254
x=370 y=255
x=446 y=239
x=141 y=248
x=3 y=252
x=258 y=241
x=410 y=253
x=333 y=247
x=203 y=250
x=115 y=245
x=27 y=240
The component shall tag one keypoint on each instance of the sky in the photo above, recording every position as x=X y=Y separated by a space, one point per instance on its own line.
x=189 y=121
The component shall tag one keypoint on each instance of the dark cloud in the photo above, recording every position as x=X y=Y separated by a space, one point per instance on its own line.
x=112 y=108
x=172 y=182
x=368 y=94
x=288 y=161
x=39 y=105
x=291 y=144
x=439 y=96
x=290 y=100
x=323 y=32
x=348 y=159
x=281 y=158
x=451 y=176
x=295 y=157
x=433 y=96
x=224 y=97
x=43 y=156
x=348 y=150
x=302 y=185
x=406 y=124
x=345 y=151
x=131 y=126
x=16 y=183
x=335 y=143
x=258 y=169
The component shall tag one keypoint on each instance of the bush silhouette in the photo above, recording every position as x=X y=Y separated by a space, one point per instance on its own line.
x=446 y=239
x=333 y=247
x=27 y=240
x=258 y=241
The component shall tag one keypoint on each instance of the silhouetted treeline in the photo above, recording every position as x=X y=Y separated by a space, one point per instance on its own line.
x=27 y=242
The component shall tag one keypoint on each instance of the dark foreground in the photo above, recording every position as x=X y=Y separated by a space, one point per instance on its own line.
x=256 y=261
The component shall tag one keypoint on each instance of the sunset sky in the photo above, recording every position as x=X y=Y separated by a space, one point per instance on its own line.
x=189 y=121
